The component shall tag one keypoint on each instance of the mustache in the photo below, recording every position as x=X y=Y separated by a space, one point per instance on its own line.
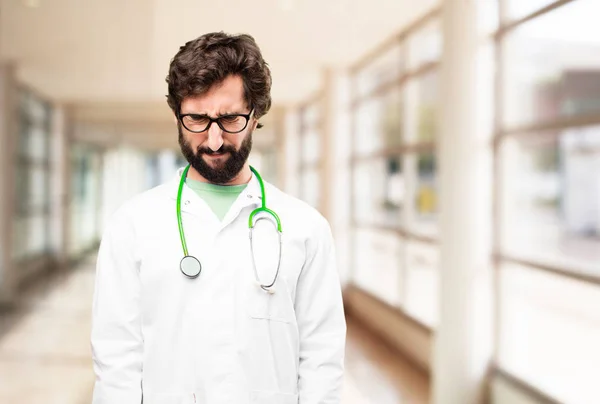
x=222 y=149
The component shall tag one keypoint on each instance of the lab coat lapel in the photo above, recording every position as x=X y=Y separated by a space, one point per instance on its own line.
x=251 y=196
x=190 y=201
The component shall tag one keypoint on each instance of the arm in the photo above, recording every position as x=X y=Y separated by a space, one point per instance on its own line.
x=116 y=337
x=321 y=322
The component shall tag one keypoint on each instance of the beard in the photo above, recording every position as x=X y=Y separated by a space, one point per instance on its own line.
x=223 y=171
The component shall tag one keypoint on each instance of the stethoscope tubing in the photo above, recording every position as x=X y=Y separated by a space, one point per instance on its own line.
x=188 y=260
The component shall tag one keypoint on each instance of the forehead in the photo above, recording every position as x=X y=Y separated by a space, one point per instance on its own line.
x=227 y=96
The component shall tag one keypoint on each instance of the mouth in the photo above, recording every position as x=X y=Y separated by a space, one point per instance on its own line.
x=215 y=155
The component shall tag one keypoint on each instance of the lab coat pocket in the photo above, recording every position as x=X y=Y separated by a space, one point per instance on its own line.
x=268 y=306
x=275 y=306
x=272 y=397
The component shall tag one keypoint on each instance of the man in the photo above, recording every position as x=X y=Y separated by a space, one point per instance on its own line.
x=188 y=309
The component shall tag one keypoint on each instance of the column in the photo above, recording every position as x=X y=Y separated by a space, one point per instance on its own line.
x=8 y=138
x=327 y=134
x=291 y=183
x=280 y=168
x=336 y=165
x=463 y=340
x=59 y=186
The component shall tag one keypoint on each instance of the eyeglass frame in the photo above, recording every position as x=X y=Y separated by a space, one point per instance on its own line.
x=216 y=120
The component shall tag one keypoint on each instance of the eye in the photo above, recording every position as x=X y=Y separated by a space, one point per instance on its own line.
x=230 y=118
x=194 y=118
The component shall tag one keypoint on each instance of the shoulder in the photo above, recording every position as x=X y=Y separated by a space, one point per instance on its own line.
x=139 y=206
x=294 y=211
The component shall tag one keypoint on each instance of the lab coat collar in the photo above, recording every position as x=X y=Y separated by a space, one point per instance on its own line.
x=252 y=191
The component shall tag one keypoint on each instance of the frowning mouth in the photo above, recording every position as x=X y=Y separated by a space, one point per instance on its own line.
x=215 y=155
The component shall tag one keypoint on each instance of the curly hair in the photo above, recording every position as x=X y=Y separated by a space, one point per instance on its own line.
x=210 y=59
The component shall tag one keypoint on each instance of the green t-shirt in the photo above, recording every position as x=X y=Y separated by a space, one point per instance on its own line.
x=218 y=197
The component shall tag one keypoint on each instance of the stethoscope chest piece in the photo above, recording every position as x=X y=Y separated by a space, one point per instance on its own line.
x=190 y=266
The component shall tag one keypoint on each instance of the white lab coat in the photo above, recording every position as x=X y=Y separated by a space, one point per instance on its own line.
x=219 y=338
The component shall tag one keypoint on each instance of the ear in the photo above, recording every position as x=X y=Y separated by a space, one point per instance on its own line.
x=254 y=123
x=174 y=118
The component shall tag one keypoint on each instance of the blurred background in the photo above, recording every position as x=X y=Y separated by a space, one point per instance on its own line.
x=453 y=145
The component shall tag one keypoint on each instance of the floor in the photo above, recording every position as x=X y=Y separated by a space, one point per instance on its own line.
x=44 y=347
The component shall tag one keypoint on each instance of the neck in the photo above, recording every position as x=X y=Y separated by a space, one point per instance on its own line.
x=243 y=176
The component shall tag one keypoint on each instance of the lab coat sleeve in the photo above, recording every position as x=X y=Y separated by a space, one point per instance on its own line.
x=116 y=337
x=321 y=322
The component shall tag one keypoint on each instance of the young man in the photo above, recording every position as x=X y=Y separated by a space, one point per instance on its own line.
x=187 y=307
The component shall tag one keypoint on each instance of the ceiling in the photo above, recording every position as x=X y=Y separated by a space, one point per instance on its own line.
x=109 y=58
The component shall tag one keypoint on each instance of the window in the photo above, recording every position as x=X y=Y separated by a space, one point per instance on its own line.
x=427 y=110
x=378 y=123
x=549 y=332
x=425 y=45
x=548 y=193
x=311 y=142
x=425 y=204
x=553 y=73
x=379 y=190
x=378 y=260
x=394 y=175
x=551 y=212
x=516 y=9
x=422 y=279
x=85 y=199
x=384 y=69
x=32 y=159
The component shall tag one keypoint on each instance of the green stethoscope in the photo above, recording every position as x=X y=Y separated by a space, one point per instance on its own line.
x=190 y=266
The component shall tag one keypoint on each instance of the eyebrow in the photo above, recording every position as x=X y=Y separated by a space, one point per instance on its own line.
x=218 y=115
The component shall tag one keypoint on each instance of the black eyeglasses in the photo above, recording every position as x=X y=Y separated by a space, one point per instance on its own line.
x=233 y=123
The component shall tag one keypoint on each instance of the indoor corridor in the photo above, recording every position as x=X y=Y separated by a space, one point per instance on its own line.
x=47 y=364
x=452 y=146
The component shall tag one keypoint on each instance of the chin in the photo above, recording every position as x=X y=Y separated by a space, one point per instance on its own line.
x=216 y=162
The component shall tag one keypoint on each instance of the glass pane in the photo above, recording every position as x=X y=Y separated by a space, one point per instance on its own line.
x=31 y=237
x=487 y=16
x=425 y=45
x=549 y=332
x=32 y=189
x=385 y=68
x=23 y=136
x=392 y=118
x=311 y=146
x=550 y=72
x=38 y=195
x=311 y=186
x=379 y=123
x=425 y=208
x=311 y=115
x=368 y=138
x=516 y=9
x=37 y=231
x=22 y=180
x=377 y=261
x=37 y=110
x=427 y=107
x=550 y=198
x=422 y=278
x=19 y=249
x=379 y=190
x=38 y=144
x=76 y=243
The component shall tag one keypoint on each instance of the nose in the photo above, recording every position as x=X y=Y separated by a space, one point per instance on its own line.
x=215 y=137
